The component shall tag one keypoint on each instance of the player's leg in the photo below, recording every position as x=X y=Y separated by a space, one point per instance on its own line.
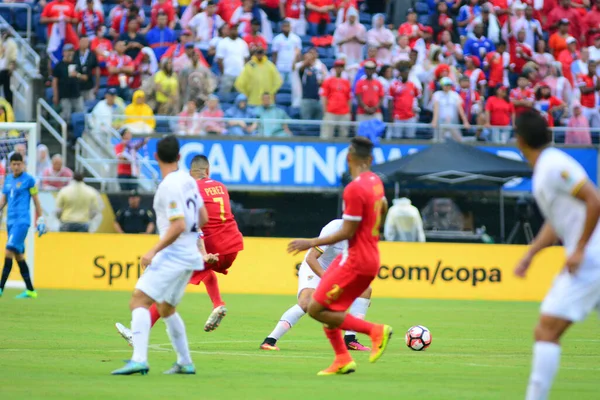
x=288 y=320
x=126 y=333
x=16 y=244
x=209 y=278
x=8 y=261
x=359 y=310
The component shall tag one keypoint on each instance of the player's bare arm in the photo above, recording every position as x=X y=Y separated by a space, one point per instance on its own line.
x=312 y=258
x=176 y=228
x=589 y=195
x=208 y=258
x=203 y=217
x=346 y=232
x=545 y=238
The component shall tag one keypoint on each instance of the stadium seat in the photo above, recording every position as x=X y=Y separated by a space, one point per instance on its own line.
x=41 y=32
x=306 y=41
x=312 y=130
x=423 y=20
x=101 y=93
x=103 y=81
x=283 y=99
x=367 y=26
x=7 y=14
x=108 y=8
x=330 y=29
x=422 y=8
x=228 y=97
x=325 y=52
x=147 y=10
x=90 y=104
x=162 y=126
x=286 y=88
x=365 y=18
x=48 y=94
x=21 y=19
x=78 y=124
x=294 y=113
x=328 y=62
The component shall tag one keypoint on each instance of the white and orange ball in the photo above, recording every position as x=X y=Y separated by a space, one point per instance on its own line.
x=418 y=338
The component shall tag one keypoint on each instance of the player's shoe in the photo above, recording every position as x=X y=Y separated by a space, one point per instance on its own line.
x=188 y=369
x=0 y=292
x=27 y=294
x=353 y=344
x=215 y=318
x=269 y=344
x=125 y=333
x=339 y=368
x=380 y=338
x=131 y=368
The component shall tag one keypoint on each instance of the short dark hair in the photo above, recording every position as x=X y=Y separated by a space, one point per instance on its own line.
x=78 y=177
x=201 y=160
x=16 y=157
x=532 y=127
x=167 y=149
x=361 y=147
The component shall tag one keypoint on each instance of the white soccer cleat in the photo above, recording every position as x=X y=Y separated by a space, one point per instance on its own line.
x=215 y=318
x=125 y=333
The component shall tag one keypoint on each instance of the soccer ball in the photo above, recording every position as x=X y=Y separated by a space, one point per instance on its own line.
x=418 y=338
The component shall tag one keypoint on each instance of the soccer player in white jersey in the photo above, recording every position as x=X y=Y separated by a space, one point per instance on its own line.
x=315 y=263
x=570 y=204
x=169 y=264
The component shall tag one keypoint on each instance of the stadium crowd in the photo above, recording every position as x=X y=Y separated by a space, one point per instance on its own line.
x=469 y=62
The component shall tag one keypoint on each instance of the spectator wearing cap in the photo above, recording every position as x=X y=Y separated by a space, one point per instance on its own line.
x=89 y=68
x=589 y=85
x=162 y=7
x=522 y=97
x=466 y=15
x=76 y=205
x=591 y=23
x=579 y=127
x=161 y=37
x=350 y=38
x=496 y=65
x=567 y=57
x=66 y=76
x=239 y=116
x=270 y=117
x=410 y=28
x=318 y=16
x=247 y=13
x=565 y=12
x=232 y=54
x=255 y=39
x=447 y=108
x=336 y=98
x=120 y=24
x=89 y=19
x=311 y=78
x=404 y=96
x=56 y=176
x=166 y=87
x=499 y=115
x=205 y=26
x=133 y=38
x=479 y=45
x=293 y=11
x=558 y=40
x=103 y=114
x=134 y=219
x=520 y=52
x=286 y=48
x=126 y=153
x=259 y=76
x=120 y=71
x=369 y=95
x=382 y=38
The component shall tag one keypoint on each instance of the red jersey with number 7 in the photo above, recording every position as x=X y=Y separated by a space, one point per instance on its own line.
x=221 y=233
x=363 y=199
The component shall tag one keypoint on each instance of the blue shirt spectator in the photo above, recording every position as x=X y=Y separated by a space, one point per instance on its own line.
x=466 y=14
x=478 y=46
x=161 y=37
x=240 y=113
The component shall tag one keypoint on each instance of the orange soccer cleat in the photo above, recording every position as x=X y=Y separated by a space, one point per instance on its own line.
x=380 y=338
x=339 y=368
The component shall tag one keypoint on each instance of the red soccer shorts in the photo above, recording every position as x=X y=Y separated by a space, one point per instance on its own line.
x=221 y=266
x=341 y=285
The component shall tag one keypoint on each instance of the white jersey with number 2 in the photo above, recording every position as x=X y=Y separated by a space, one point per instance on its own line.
x=178 y=197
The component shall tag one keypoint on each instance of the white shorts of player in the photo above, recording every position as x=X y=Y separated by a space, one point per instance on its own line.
x=307 y=279
x=165 y=280
x=573 y=297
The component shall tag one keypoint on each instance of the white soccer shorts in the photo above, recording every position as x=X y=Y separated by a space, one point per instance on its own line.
x=307 y=279
x=164 y=281
x=573 y=297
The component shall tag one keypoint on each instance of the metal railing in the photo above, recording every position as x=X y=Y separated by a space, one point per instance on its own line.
x=61 y=137
x=29 y=8
x=26 y=52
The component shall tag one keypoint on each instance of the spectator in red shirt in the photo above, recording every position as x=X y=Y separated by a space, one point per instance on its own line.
x=162 y=6
x=126 y=153
x=520 y=52
x=522 y=97
x=292 y=11
x=591 y=23
x=120 y=71
x=336 y=98
x=271 y=8
x=225 y=8
x=411 y=28
x=120 y=22
x=565 y=11
x=89 y=20
x=501 y=9
x=404 y=95
x=476 y=76
x=369 y=95
x=567 y=56
x=318 y=16
x=63 y=12
x=558 y=40
x=56 y=176
x=102 y=47
x=499 y=113
x=496 y=65
x=256 y=39
x=547 y=104
x=471 y=100
x=588 y=85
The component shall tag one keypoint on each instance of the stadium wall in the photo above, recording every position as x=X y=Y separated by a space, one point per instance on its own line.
x=409 y=270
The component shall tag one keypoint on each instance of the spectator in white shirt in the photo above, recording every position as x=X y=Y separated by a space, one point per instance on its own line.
x=232 y=54
x=287 y=47
x=403 y=222
x=206 y=25
x=381 y=37
x=595 y=49
x=447 y=107
x=350 y=38
x=101 y=120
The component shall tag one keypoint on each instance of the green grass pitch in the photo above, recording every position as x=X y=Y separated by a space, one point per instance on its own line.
x=63 y=346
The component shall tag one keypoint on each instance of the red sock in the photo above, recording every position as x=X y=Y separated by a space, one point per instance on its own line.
x=212 y=288
x=154 y=315
x=351 y=323
x=337 y=342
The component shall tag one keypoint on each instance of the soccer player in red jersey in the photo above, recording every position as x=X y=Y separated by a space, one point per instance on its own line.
x=351 y=273
x=219 y=243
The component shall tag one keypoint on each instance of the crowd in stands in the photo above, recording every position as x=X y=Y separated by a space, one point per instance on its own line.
x=476 y=63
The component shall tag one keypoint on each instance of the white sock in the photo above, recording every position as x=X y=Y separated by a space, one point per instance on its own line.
x=288 y=319
x=176 y=332
x=546 y=358
x=140 y=329
x=358 y=309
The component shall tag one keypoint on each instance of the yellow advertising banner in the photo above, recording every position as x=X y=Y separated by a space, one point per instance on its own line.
x=409 y=270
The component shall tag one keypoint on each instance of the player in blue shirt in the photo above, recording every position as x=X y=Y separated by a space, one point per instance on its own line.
x=19 y=189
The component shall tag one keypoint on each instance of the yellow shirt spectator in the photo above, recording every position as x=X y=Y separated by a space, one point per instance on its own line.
x=77 y=203
x=168 y=84
x=138 y=108
x=258 y=77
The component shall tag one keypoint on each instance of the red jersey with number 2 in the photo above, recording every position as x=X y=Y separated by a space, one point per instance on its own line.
x=363 y=199
x=221 y=233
